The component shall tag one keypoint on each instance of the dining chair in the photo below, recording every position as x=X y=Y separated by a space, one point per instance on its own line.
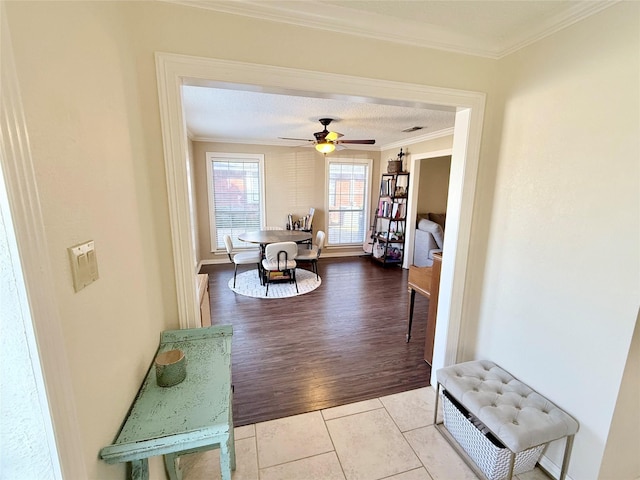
x=241 y=258
x=311 y=253
x=279 y=263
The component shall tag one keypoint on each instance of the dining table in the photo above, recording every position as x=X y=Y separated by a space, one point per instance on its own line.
x=265 y=237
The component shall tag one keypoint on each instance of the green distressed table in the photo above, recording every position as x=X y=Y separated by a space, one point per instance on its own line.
x=192 y=416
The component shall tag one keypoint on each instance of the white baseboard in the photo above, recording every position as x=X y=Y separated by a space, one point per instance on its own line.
x=326 y=253
x=551 y=468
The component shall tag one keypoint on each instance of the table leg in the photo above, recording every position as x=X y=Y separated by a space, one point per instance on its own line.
x=139 y=469
x=227 y=457
x=174 y=472
x=411 y=302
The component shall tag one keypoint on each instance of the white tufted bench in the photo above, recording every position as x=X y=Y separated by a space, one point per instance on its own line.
x=516 y=415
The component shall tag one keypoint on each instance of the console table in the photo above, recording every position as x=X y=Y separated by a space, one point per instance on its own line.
x=194 y=415
x=419 y=281
x=426 y=281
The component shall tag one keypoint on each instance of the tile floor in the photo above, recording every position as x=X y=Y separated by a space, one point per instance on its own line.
x=389 y=437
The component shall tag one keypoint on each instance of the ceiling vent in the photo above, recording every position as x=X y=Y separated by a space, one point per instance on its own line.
x=412 y=129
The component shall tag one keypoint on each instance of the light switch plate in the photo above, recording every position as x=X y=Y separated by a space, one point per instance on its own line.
x=84 y=264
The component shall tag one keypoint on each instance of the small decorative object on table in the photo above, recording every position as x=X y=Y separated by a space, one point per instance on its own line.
x=171 y=368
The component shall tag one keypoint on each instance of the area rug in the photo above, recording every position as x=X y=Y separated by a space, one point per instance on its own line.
x=248 y=284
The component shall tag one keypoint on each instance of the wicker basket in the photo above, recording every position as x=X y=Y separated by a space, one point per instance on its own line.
x=491 y=457
x=394 y=166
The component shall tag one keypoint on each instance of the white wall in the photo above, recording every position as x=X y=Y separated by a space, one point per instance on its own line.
x=560 y=285
x=26 y=434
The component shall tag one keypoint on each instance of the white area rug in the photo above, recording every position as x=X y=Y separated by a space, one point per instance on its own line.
x=248 y=284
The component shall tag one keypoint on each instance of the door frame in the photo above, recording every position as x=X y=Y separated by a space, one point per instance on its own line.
x=174 y=70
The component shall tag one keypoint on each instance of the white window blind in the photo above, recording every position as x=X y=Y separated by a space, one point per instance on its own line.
x=236 y=195
x=348 y=194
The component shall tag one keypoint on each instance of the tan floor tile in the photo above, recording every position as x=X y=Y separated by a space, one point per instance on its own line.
x=351 y=408
x=417 y=474
x=206 y=465
x=439 y=458
x=412 y=409
x=291 y=438
x=244 y=432
x=535 y=474
x=370 y=446
x=319 y=467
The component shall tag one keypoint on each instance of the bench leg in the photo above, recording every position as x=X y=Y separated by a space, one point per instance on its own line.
x=512 y=465
x=567 y=456
x=435 y=408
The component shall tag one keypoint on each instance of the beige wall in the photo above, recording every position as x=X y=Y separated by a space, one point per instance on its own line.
x=294 y=182
x=434 y=184
x=558 y=172
x=621 y=458
x=98 y=179
x=558 y=287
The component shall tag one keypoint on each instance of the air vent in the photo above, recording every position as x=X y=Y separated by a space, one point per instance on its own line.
x=412 y=129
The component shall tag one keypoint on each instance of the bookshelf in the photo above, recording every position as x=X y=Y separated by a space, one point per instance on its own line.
x=390 y=219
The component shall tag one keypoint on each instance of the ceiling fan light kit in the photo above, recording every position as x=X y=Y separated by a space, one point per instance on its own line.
x=326 y=141
x=325 y=147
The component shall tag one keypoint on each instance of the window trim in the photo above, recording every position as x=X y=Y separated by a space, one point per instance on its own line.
x=212 y=157
x=367 y=200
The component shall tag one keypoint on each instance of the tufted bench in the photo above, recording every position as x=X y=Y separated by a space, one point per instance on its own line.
x=516 y=415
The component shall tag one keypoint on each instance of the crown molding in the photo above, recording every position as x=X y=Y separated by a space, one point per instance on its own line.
x=341 y=20
x=284 y=143
x=574 y=14
x=422 y=138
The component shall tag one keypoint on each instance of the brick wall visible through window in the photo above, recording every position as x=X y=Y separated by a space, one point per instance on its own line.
x=236 y=195
x=348 y=192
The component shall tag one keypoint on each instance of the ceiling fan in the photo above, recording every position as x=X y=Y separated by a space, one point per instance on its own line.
x=326 y=141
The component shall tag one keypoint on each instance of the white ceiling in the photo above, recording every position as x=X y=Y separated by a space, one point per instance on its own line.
x=238 y=116
x=484 y=28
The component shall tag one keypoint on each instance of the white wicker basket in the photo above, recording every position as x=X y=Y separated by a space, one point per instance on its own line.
x=491 y=457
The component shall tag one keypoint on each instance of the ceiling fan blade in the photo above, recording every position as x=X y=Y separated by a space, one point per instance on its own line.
x=296 y=139
x=358 y=142
x=333 y=136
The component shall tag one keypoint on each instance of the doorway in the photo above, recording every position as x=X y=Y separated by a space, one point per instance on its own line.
x=176 y=70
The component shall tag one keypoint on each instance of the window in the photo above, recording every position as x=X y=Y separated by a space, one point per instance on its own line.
x=348 y=184
x=236 y=195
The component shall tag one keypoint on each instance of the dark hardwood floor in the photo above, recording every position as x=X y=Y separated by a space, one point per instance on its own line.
x=344 y=342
